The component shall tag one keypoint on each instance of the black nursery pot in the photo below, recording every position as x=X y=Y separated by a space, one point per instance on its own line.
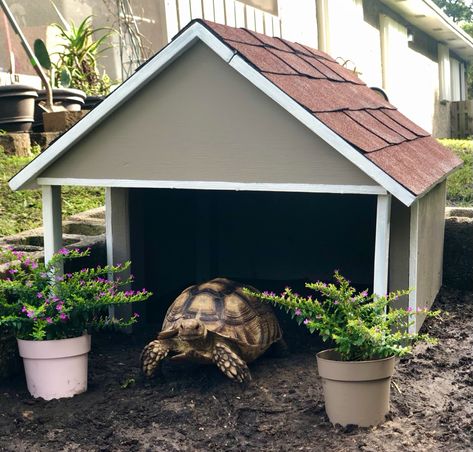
x=69 y=98
x=92 y=101
x=17 y=103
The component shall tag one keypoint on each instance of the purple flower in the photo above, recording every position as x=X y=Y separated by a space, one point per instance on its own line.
x=59 y=278
x=49 y=320
x=30 y=314
x=129 y=293
x=12 y=271
x=59 y=306
x=63 y=316
x=23 y=309
x=409 y=309
x=306 y=321
x=39 y=295
x=364 y=293
x=136 y=315
x=336 y=302
x=43 y=275
x=63 y=251
x=298 y=311
x=34 y=265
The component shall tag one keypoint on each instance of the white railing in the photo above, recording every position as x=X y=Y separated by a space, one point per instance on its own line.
x=228 y=12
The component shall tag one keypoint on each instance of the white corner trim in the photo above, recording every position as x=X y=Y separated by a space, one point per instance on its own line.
x=381 y=250
x=181 y=43
x=157 y=64
x=413 y=255
x=218 y=185
x=316 y=126
x=52 y=221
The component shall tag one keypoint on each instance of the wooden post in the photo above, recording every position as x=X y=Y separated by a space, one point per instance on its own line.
x=381 y=251
x=117 y=235
x=52 y=220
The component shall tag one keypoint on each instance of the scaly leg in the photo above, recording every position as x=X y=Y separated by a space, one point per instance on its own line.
x=153 y=354
x=230 y=363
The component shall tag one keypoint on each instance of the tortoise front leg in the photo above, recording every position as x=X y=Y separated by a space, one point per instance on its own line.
x=153 y=354
x=230 y=363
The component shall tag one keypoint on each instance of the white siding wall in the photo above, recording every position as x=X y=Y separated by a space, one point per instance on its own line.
x=228 y=12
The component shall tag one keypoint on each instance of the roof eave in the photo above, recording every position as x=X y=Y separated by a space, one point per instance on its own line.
x=428 y=17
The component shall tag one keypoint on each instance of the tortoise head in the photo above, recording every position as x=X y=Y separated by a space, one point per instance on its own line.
x=192 y=330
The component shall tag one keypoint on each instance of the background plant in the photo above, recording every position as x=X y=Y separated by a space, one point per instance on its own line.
x=38 y=303
x=361 y=326
x=75 y=64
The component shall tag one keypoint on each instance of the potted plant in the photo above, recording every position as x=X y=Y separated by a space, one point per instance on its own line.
x=74 y=69
x=367 y=335
x=52 y=315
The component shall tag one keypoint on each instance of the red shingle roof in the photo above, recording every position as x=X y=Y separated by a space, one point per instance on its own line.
x=340 y=100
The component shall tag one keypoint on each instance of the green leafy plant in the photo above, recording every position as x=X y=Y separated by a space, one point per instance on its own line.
x=361 y=326
x=39 y=303
x=75 y=65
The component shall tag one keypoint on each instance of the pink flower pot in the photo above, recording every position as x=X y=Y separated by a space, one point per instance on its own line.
x=55 y=369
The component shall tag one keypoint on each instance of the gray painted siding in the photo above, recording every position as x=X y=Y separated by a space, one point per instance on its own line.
x=199 y=120
x=430 y=245
x=399 y=250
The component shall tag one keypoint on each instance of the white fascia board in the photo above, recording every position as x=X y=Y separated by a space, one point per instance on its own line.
x=320 y=129
x=218 y=185
x=158 y=63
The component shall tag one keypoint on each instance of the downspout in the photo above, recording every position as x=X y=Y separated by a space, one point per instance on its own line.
x=37 y=67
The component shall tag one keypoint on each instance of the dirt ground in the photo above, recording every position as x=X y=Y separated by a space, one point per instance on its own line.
x=195 y=408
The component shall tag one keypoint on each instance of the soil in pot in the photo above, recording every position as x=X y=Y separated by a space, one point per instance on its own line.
x=355 y=392
x=17 y=103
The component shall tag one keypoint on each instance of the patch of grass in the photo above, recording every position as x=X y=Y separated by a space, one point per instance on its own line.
x=460 y=183
x=21 y=210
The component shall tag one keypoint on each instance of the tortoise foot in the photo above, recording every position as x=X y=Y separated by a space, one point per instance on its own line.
x=152 y=356
x=230 y=363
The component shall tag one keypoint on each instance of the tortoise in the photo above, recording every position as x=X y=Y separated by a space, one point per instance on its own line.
x=215 y=322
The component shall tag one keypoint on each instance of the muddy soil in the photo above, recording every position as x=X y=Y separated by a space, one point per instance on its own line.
x=195 y=408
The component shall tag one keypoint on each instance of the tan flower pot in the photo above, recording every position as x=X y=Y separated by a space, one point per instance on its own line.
x=356 y=392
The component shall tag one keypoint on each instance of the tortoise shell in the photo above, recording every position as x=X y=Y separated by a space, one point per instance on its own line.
x=226 y=310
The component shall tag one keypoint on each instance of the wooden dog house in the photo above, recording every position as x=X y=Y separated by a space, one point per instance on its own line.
x=233 y=154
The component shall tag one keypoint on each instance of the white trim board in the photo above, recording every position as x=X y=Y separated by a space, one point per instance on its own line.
x=182 y=42
x=381 y=250
x=217 y=185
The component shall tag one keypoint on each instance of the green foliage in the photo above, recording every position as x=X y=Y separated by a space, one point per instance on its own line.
x=460 y=183
x=42 y=54
x=77 y=62
x=458 y=10
x=21 y=210
x=38 y=303
x=76 y=65
x=362 y=327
